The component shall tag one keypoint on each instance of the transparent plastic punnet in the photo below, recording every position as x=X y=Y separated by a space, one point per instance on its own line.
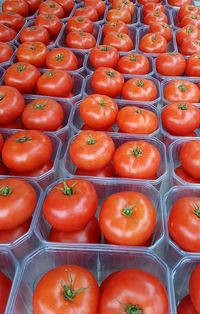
x=101 y=262
x=167 y=12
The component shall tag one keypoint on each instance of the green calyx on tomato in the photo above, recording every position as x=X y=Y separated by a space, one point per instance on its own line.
x=48 y=16
x=197 y=210
x=79 y=19
x=193 y=17
x=105 y=48
x=120 y=35
x=139 y=111
x=111 y=74
x=188 y=30
x=182 y=107
x=140 y=83
x=197 y=42
x=32 y=47
x=102 y=103
x=21 y=68
x=5 y=191
x=24 y=139
x=68 y=190
x=50 y=74
x=59 y=57
x=91 y=141
x=69 y=292
x=133 y=309
x=82 y=33
x=39 y=106
x=52 y=5
x=133 y=58
x=154 y=38
x=2 y=96
x=137 y=152
x=182 y=88
x=156 y=13
x=128 y=210
x=32 y=28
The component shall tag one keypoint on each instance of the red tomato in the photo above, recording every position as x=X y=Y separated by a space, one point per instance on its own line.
x=67 y=5
x=190 y=19
x=123 y=15
x=186 y=306
x=147 y=1
x=104 y=56
x=124 y=4
x=35 y=173
x=5 y=286
x=189 y=157
x=50 y=22
x=153 y=43
x=16 y=124
x=116 y=26
x=185 y=176
x=181 y=90
x=189 y=47
x=89 y=234
x=137 y=159
x=9 y=236
x=34 y=33
x=62 y=59
x=22 y=76
x=116 y=218
x=120 y=41
x=107 y=171
x=152 y=6
x=80 y=40
x=91 y=150
x=179 y=3
x=106 y=281
x=99 y=5
x=70 y=205
x=6 y=33
x=12 y=20
x=69 y=288
x=139 y=89
x=187 y=9
x=132 y=290
x=134 y=63
x=34 y=53
x=27 y=150
x=19 y=6
x=170 y=64
x=187 y=32
x=33 y=5
x=6 y=52
x=194 y=288
x=155 y=16
x=55 y=83
x=193 y=65
x=89 y=12
x=51 y=7
x=80 y=23
x=161 y=28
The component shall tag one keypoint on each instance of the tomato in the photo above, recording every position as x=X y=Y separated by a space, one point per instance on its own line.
x=179 y=3
x=16 y=124
x=185 y=176
x=170 y=64
x=91 y=150
x=6 y=52
x=80 y=23
x=131 y=291
x=152 y=6
x=194 y=288
x=137 y=159
x=22 y=76
x=50 y=22
x=6 y=33
x=189 y=47
x=20 y=7
x=187 y=9
x=143 y=2
x=11 y=104
x=62 y=59
x=70 y=288
x=181 y=118
x=155 y=16
x=123 y=15
x=161 y=28
x=12 y=20
x=189 y=157
x=67 y=5
x=9 y=236
x=34 y=33
x=27 y=150
x=186 y=306
x=153 y=43
x=139 y=89
x=106 y=281
x=120 y=41
x=99 y=5
x=99 y=112
x=89 y=234
x=104 y=56
x=190 y=19
x=116 y=218
x=32 y=52
x=134 y=63
x=43 y=114
x=181 y=90
x=124 y=4
x=193 y=65
x=5 y=286
x=187 y=32
x=33 y=5
x=80 y=40
x=107 y=171
x=131 y=119
x=35 y=173
x=89 y=12
x=51 y=7
x=115 y=26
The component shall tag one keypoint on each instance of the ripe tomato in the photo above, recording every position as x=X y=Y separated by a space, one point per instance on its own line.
x=11 y=104
x=186 y=306
x=139 y=89
x=22 y=76
x=193 y=65
x=187 y=32
x=123 y=15
x=5 y=286
x=27 y=150
x=12 y=20
x=143 y=2
x=161 y=28
x=107 y=171
x=152 y=6
x=70 y=288
x=91 y=150
x=115 y=26
x=185 y=176
x=107 y=81
x=99 y=112
x=33 y=5
x=104 y=56
x=134 y=63
x=62 y=59
x=35 y=173
x=70 y=205
x=6 y=33
x=155 y=17
x=187 y=9
x=34 y=33
x=18 y=199
x=181 y=90
x=170 y=64
x=6 y=52
x=43 y=114
x=194 y=289
x=99 y=5
x=105 y=282
x=120 y=41
x=80 y=40
x=179 y=3
x=55 y=83
x=67 y=5
x=16 y=124
x=137 y=159
x=80 y=23
x=51 y=7
x=193 y=19
x=32 y=52
x=49 y=21
x=153 y=43
x=189 y=157
x=19 y=6
x=131 y=119
x=116 y=218
x=9 y=236
x=189 y=47
x=89 y=12
x=124 y=4
x=89 y=234
x=131 y=291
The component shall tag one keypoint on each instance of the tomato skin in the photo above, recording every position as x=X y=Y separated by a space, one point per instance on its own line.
x=89 y=12
x=185 y=176
x=79 y=23
x=115 y=26
x=139 y=89
x=89 y=234
x=194 y=290
x=6 y=33
x=187 y=32
x=137 y=159
x=5 y=286
x=67 y=5
x=123 y=4
x=190 y=19
x=35 y=173
x=116 y=218
x=16 y=124
x=20 y=7
x=1 y=142
x=80 y=40
x=123 y=15
x=181 y=90
x=34 y=53
x=51 y=7
x=179 y=3
x=189 y=47
x=143 y=2
x=189 y=157
x=155 y=16
x=12 y=20
x=153 y=43
x=104 y=56
x=121 y=41
x=187 y=9
x=62 y=59
x=152 y=6
x=91 y=150
x=161 y=28
x=6 y=52
x=55 y=83
x=33 y=5
x=170 y=64
x=193 y=65
x=186 y=306
x=9 y=236
x=134 y=63
x=86 y=301
x=50 y=22
x=99 y=5
x=27 y=150
x=34 y=33
x=107 y=171
x=106 y=281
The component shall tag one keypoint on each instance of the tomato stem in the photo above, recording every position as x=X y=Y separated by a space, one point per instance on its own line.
x=5 y=191
x=197 y=210
x=32 y=47
x=21 y=67
x=128 y=210
x=140 y=83
x=182 y=106
x=105 y=48
x=182 y=88
x=139 y=111
x=133 y=58
x=188 y=30
x=133 y=309
x=69 y=292
x=102 y=103
x=80 y=19
x=52 y=5
x=39 y=106
x=68 y=190
x=91 y=140
x=111 y=74
x=137 y=152
x=24 y=139
x=2 y=96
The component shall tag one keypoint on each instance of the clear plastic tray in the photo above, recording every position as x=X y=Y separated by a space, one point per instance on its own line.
x=167 y=12
x=174 y=14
